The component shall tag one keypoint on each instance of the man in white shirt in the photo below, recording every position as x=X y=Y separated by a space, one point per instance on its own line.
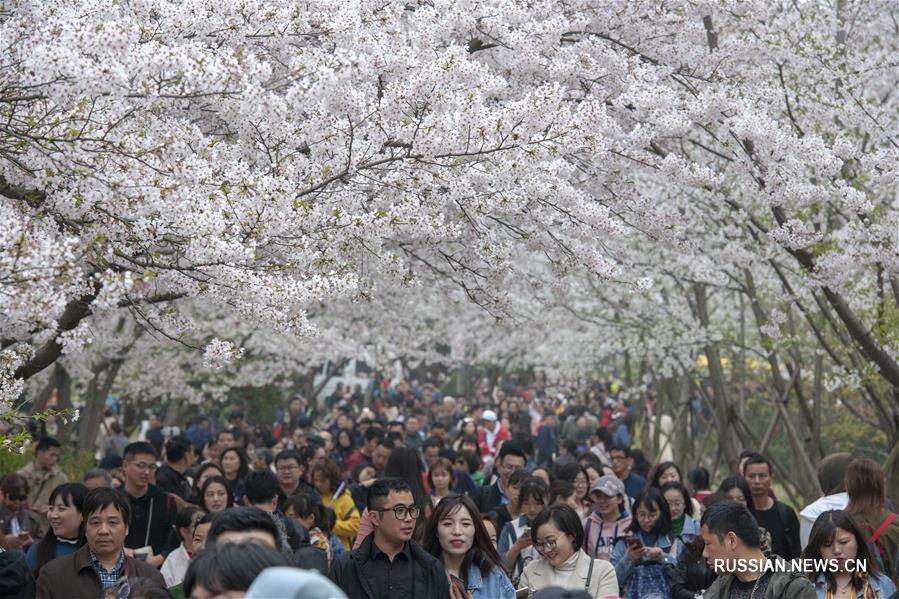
x=831 y=469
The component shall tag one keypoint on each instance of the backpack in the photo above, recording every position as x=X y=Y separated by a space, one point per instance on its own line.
x=877 y=550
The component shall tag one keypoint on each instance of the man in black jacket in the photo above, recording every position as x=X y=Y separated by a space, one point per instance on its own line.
x=511 y=458
x=388 y=563
x=179 y=456
x=778 y=518
x=153 y=510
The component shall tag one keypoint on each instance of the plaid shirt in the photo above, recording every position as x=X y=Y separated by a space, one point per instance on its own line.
x=108 y=578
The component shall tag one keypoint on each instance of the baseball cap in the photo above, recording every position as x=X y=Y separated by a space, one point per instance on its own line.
x=608 y=485
x=489 y=416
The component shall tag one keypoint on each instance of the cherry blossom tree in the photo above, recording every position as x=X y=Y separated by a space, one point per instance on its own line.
x=568 y=179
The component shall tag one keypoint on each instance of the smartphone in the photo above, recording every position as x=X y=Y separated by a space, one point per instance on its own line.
x=459 y=585
x=634 y=543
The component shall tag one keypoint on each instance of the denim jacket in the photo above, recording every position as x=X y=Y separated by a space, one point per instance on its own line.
x=882 y=585
x=495 y=586
x=624 y=567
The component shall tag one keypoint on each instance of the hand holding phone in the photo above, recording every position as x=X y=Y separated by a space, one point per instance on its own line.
x=634 y=549
x=458 y=588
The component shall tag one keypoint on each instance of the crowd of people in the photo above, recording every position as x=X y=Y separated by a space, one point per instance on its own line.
x=405 y=493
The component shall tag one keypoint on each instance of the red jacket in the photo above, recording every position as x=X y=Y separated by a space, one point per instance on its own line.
x=486 y=450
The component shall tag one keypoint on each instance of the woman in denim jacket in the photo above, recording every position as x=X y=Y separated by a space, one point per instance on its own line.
x=836 y=536
x=456 y=535
x=645 y=562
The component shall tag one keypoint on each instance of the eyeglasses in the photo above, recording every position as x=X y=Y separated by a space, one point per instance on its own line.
x=401 y=511
x=144 y=466
x=545 y=546
x=675 y=504
x=647 y=515
x=288 y=468
x=17 y=497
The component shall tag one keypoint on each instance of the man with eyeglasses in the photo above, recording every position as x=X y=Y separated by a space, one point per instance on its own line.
x=152 y=509
x=622 y=463
x=511 y=458
x=289 y=468
x=389 y=564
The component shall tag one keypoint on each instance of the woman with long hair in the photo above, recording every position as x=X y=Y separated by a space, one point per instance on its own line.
x=558 y=535
x=344 y=446
x=329 y=482
x=442 y=479
x=215 y=496
x=669 y=472
x=645 y=562
x=866 y=488
x=468 y=428
x=455 y=534
x=235 y=467
x=836 y=536
x=577 y=476
x=66 y=534
x=205 y=471
x=683 y=524
x=312 y=516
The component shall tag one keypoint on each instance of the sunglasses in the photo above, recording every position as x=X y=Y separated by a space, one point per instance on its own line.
x=17 y=497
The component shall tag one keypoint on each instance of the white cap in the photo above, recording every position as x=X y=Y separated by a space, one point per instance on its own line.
x=489 y=416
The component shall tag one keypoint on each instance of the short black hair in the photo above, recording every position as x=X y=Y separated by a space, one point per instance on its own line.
x=756 y=459
x=382 y=487
x=564 y=518
x=288 y=454
x=45 y=443
x=103 y=497
x=261 y=486
x=533 y=488
x=731 y=516
x=623 y=449
x=139 y=448
x=177 y=447
x=374 y=433
x=225 y=567
x=229 y=431
x=394 y=438
x=570 y=446
x=699 y=478
x=431 y=442
x=242 y=519
x=512 y=448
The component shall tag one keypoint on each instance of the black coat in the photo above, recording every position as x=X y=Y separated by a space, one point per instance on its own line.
x=491 y=498
x=691 y=577
x=349 y=572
